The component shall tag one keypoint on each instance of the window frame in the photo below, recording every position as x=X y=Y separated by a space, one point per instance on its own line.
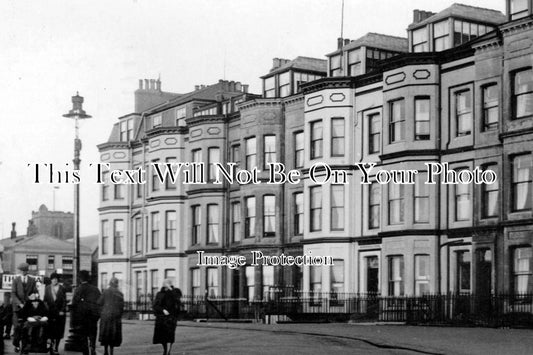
x=458 y=115
x=118 y=237
x=154 y=230
x=250 y=219
x=372 y=149
x=339 y=149
x=250 y=157
x=104 y=225
x=196 y=224
x=315 y=212
x=316 y=143
x=269 y=156
x=515 y=95
x=171 y=230
x=299 y=149
x=489 y=106
x=271 y=214
x=394 y=123
x=418 y=135
x=421 y=193
x=528 y=203
x=341 y=208
x=212 y=220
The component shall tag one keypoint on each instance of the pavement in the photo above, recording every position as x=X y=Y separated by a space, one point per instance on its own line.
x=323 y=338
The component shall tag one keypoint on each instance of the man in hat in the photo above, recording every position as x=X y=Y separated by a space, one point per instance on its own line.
x=86 y=312
x=23 y=285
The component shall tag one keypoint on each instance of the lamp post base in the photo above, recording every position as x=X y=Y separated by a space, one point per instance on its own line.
x=74 y=341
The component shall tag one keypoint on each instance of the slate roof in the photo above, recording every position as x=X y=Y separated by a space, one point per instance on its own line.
x=302 y=63
x=376 y=40
x=41 y=242
x=467 y=12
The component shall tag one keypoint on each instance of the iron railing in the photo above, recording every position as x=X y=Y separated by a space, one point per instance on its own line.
x=507 y=310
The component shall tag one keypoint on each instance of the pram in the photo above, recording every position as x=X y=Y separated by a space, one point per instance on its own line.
x=34 y=337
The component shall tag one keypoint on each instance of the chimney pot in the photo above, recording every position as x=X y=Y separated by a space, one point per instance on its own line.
x=158 y=83
x=196 y=87
x=140 y=84
x=13 y=231
x=346 y=41
x=339 y=43
x=416 y=16
x=146 y=84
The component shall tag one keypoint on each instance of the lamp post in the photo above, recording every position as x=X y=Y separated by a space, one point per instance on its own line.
x=77 y=113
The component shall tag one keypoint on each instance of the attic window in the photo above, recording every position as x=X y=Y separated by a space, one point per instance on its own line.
x=420 y=40
x=181 y=113
x=284 y=84
x=519 y=9
x=335 y=68
x=441 y=36
x=157 y=121
x=270 y=87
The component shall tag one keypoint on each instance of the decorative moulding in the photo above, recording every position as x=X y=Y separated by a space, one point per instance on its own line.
x=395 y=78
x=315 y=100
x=337 y=97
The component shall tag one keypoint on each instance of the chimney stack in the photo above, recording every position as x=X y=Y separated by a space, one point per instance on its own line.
x=13 y=231
x=245 y=88
x=421 y=15
x=275 y=63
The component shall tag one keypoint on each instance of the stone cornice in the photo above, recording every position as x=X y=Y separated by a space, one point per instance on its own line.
x=166 y=130
x=293 y=99
x=199 y=120
x=517 y=26
x=342 y=82
x=113 y=145
x=260 y=102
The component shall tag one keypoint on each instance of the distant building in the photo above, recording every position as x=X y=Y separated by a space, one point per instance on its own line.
x=57 y=224
x=44 y=255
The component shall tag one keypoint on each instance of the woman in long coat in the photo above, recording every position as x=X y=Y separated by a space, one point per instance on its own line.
x=166 y=308
x=111 y=303
x=56 y=300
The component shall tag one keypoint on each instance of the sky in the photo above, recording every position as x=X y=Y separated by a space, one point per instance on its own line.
x=51 y=49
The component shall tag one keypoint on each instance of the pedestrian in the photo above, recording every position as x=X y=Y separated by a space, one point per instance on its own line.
x=35 y=317
x=166 y=308
x=85 y=312
x=7 y=316
x=56 y=300
x=22 y=286
x=111 y=303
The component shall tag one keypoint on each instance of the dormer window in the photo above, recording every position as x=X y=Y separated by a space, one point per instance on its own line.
x=181 y=113
x=157 y=121
x=354 y=62
x=270 y=87
x=441 y=36
x=335 y=68
x=285 y=84
x=420 y=40
x=519 y=9
x=126 y=130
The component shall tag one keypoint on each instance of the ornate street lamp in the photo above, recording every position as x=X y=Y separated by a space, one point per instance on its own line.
x=77 y=113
